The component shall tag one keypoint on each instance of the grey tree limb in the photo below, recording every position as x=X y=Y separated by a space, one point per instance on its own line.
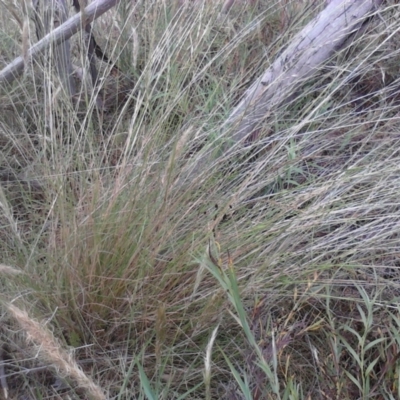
x=57 y=36
x=308 y=51
x=310 y=48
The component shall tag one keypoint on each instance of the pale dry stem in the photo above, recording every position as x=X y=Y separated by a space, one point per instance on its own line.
x=51 y=351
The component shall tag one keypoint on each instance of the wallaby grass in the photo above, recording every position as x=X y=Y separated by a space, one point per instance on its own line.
x=128 y=272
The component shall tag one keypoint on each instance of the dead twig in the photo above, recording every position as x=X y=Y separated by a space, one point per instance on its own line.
x=57 y=36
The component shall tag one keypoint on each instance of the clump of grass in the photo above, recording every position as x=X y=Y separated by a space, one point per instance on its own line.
x=268 y=273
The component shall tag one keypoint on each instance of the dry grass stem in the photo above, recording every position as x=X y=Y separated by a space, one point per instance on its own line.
x=50 y=351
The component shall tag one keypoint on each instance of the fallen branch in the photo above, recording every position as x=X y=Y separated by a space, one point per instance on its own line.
x=309 y=49
x=57 y=36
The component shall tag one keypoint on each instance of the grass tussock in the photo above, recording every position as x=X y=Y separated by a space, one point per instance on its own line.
x=268 y=273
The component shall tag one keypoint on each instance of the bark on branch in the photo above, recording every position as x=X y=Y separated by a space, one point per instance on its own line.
x=309 y=49
x=57 y=36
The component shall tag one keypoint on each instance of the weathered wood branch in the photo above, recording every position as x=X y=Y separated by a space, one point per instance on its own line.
x=57 y=36
x=308 y=51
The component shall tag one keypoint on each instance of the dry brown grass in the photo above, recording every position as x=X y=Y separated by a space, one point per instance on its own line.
x=290 y=248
